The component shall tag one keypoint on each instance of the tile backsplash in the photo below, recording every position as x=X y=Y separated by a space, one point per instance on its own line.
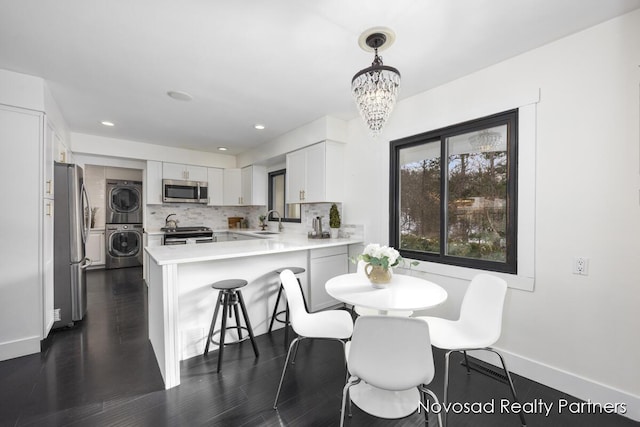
x=210 y=216
x=216 y=217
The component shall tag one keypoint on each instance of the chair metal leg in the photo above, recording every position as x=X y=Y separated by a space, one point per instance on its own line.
x=511 y=386
x=295 y=353
x=466 y=362
x=445 y=398
x=284 y=370
x=223 y=328
x=345 y=395
x=243 y=308
x=213 y=323
x=286 y=326
x=435 y=399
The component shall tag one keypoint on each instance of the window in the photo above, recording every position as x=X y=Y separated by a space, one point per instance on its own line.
x=290 y=211
x=453 y=194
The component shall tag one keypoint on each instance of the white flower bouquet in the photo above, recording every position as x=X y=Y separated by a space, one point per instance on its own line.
x=383 y=256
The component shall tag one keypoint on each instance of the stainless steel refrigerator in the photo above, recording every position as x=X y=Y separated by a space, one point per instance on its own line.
x=72 y=220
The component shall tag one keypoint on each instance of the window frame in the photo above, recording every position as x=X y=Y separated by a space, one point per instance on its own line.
x=270 y=177
x=510 y=118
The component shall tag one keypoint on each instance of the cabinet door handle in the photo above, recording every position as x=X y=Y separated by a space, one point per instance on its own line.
x=48 y=186
x=48 y=209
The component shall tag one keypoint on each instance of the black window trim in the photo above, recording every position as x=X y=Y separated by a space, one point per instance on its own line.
x=270 y=195
x=506 y=117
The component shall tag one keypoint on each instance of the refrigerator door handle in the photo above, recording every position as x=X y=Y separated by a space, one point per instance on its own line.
x=87 y=218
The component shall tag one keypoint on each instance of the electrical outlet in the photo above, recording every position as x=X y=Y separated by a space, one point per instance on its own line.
x=581 y=266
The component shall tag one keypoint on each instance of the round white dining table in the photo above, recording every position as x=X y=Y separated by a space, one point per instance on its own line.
x=402 y=293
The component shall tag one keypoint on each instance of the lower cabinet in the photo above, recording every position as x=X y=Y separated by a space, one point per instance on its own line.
x=149 y=240
x=95 y=248
x=324 y=264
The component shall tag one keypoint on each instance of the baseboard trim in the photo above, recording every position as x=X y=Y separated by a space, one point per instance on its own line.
x=19 y=348
x=564 y=381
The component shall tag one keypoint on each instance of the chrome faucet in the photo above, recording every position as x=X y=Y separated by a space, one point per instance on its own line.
x=280 y=227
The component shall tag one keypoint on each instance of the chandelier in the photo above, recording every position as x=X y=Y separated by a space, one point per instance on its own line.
x=485 y=140
x=375 y=88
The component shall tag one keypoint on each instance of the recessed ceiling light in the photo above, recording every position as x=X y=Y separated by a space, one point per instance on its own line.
x=107 y=123
x=222 y=148
x=258 y=126
x=179 y=95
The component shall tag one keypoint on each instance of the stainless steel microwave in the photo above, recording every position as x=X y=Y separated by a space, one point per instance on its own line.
x=175 y=191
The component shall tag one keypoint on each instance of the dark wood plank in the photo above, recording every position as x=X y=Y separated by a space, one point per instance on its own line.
x=103 y=372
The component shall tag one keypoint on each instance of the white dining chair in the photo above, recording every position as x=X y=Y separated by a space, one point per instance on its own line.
x=478 y=327
x=365 y=311
x=331 y=324
x=374 y=358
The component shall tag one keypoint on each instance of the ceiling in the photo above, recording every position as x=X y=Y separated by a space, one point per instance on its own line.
x=281 y=63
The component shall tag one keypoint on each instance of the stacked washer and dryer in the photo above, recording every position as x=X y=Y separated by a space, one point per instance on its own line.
x=123 y=237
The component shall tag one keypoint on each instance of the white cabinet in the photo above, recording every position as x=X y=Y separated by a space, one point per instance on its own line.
x=215 y=177
x=254 y=185
x=95 y=248
x=232 y=193
x=48 y=158
x=184 y=172
x=315 y=174
x=26 y=284
x=149 y=240
x=153 y=183
x=47 y=265
x=246 y=186
x=324 y=264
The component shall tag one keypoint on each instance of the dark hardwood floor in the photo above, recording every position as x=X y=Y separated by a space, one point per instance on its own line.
x=103 y=372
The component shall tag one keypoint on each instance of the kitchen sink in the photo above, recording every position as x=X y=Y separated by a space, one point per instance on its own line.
x=265 y=232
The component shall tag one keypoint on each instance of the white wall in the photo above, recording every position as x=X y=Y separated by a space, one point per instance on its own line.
x=575 y=333
x=91 y=145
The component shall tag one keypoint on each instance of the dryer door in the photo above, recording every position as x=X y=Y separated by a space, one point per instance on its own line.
x=124 y=204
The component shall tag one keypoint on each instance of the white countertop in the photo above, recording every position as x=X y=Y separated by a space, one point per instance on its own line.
x=266 y=244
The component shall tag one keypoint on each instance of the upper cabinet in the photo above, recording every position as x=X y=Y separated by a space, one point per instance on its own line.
x=232 y=192
x=315 y=173
x=184 y=172
x=227 y=187
x=216 y=186
x=48 y=156
x=246 y=186
x=153 y=183
x=254 y=185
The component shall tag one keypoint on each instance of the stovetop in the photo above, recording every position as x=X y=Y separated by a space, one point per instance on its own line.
x=196 y=229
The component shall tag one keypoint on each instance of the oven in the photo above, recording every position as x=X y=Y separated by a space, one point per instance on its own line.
x=187 y=235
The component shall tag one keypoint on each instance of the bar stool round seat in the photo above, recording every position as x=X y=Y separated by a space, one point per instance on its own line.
x=275 y=316
x=230 y=297
x=230 y=284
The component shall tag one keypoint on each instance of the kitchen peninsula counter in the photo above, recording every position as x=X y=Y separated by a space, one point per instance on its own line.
x=181 y=300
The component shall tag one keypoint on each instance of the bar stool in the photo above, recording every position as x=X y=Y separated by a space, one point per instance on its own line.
x=276 y=313
x=229 y=296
